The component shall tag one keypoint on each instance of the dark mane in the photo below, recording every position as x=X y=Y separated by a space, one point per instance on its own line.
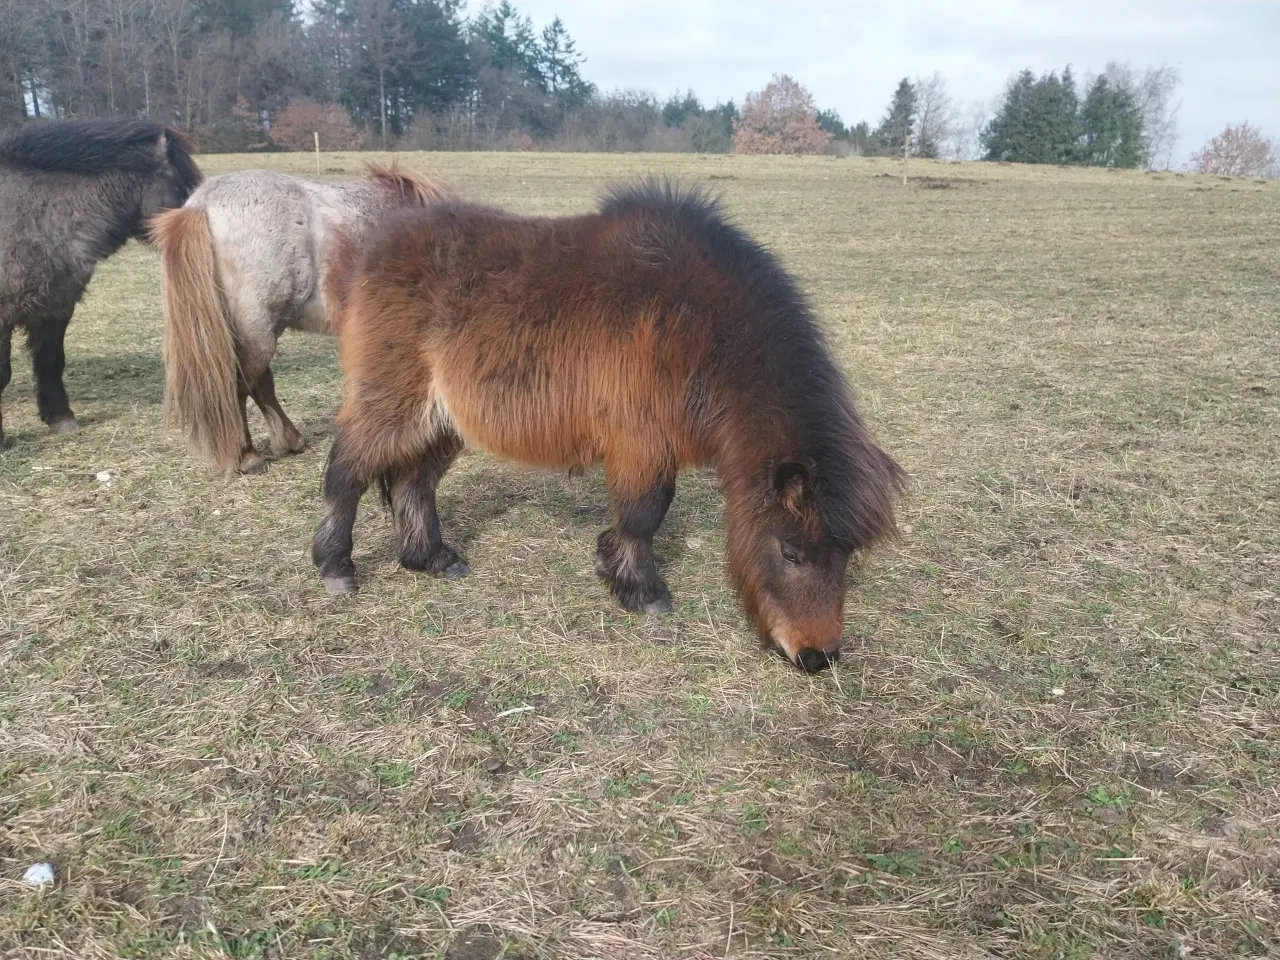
x=98 y=146
x=853 y=479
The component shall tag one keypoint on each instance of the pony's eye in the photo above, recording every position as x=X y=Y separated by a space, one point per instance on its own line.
x=790 y=554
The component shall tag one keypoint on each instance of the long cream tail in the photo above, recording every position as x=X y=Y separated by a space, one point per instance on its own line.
x=200 y=364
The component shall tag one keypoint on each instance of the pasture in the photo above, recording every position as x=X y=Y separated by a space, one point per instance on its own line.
x=1053 y=734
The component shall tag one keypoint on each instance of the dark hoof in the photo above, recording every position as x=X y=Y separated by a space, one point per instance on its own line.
x=811 y=660
x=643 y=597
x=64 y=425
x=661 y=605
x=603 y=570
x=253 y=465
x=445 y=563
x=455 y=571
x=339 y=586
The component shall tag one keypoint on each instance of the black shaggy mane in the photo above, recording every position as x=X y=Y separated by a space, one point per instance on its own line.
x=855 y=482
x=98 y=146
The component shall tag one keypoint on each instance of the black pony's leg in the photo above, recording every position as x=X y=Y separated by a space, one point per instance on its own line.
x=6 y=370
x=624 y=552
x=331 y=549
x=48 y=360
x=413 y=497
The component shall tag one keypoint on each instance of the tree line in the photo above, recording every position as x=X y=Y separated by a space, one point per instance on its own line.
x=246 y=74
x=266 y=74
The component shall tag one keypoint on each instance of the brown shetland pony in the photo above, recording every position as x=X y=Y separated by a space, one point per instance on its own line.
x=652 y=336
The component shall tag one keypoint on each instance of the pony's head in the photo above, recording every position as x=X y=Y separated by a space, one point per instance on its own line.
x=173 y=176
x=792 y=532
x=788 y=568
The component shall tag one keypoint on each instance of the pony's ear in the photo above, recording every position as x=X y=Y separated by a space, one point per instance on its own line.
x=792 y=482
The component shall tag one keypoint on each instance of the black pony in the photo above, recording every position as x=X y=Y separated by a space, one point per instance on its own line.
x=71 y=194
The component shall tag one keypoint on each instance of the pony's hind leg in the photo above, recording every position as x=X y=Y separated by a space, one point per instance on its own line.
x=344 y=485
x=6 y=369
x=285 y=437
x=48 y=360
x=413 y=498
x=251 y=461
x=624 y=552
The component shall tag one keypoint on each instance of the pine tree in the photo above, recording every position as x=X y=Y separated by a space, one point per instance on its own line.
x=1037 y=122
x=898 y=121
x=681 y=107
x=511 y=41
x=829 y=120
x=860 y=137
x=1111 y=128
x=239 y=17
x=558 y=63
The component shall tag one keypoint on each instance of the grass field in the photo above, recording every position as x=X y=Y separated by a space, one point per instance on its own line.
x=1054 y=733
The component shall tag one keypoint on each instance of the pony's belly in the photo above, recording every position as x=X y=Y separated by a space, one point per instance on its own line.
x=312 y=317
x=520 y=433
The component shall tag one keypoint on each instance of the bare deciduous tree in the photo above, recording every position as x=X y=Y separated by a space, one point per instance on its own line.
x=1240 y=151
x=302 y=119
x=935 y=116
x=965 y=142
x=781 y=118
x=1153 y=91
x=384 y=45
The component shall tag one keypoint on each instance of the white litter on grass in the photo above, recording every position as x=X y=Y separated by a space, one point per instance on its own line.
x=1058 y=691
x=104 y=477
x=38 y=875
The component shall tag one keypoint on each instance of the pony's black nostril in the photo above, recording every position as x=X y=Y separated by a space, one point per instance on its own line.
x=811 y=660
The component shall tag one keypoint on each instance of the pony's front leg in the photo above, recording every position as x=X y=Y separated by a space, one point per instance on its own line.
x=624 y=552
x=331 y=549
x=6 y=370
x=413 y=498
x=48 y=360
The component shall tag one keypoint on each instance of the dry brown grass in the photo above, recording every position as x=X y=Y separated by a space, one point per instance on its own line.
x=1055 y=735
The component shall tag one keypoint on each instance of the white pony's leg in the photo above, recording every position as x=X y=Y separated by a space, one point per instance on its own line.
x=255 y=349
x=285 y=437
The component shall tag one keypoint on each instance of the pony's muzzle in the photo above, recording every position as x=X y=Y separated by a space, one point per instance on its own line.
x=813 y=660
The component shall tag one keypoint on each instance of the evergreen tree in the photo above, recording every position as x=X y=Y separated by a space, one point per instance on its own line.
x=680 y=108
x=898 y=121
x=239 y=17
x=860 y=137
x=559 y=61
x=511 y=41
x=1111 y=128
x=829 y=120
x=1037 y=122
x=712 y=130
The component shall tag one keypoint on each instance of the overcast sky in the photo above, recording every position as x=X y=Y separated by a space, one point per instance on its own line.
x=852 y=54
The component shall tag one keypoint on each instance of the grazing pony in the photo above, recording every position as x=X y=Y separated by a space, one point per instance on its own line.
x=653 y=335
x=241 y=262
x=71 y=194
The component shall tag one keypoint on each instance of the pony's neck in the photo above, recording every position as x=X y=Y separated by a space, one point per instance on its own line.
x=116 y=202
